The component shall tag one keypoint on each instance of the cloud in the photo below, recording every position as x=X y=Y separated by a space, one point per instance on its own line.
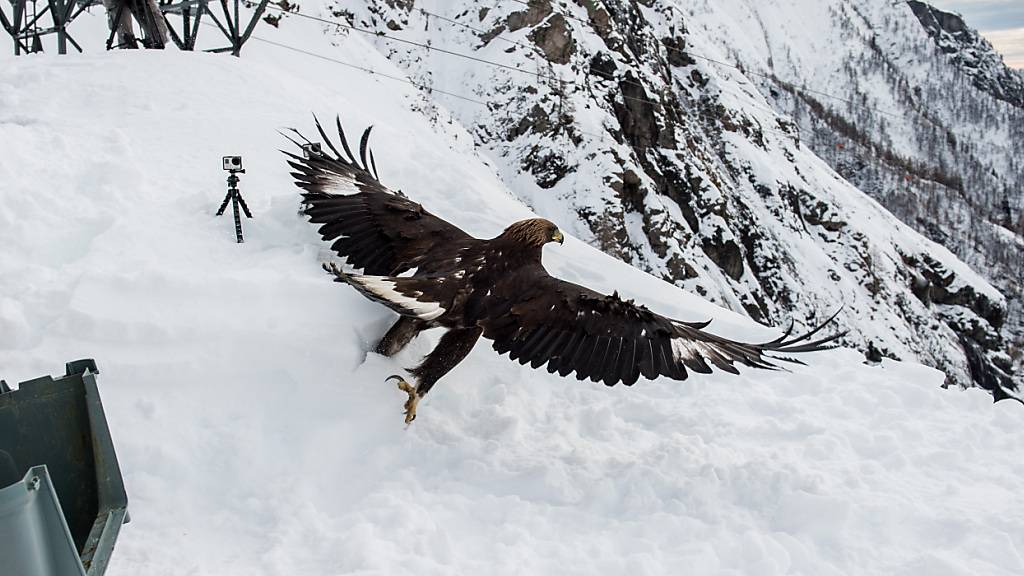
x=1009 y=43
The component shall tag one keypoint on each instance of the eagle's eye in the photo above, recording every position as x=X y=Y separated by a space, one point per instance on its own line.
x=556 y=236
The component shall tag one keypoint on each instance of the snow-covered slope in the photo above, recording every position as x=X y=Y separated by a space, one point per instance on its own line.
x=610 y=115
x=933 y=136
x=255 y=439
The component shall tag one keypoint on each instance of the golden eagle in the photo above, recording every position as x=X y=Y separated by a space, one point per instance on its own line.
x=433 y=274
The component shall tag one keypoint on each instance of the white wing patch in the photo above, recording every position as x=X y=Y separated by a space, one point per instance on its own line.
x=683 y=348
x=386 y=290
x=340 y=184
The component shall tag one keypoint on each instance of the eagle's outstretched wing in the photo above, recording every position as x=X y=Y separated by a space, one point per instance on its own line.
x=539 y=319
x=375 y=229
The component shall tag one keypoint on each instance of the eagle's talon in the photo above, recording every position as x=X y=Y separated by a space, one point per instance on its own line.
x=411 y=403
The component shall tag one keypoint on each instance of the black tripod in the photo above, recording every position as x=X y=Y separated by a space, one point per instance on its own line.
x=235 y=197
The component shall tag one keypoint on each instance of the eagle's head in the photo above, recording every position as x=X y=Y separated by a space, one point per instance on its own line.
x=534 y=232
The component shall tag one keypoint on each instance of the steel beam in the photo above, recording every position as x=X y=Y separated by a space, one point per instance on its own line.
x=57 y=10
x=19 y=16
x=252 y=23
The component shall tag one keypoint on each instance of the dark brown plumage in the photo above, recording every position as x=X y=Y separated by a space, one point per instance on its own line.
x=434 y=274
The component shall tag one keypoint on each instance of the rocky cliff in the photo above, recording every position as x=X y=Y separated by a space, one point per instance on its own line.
x=971 y=53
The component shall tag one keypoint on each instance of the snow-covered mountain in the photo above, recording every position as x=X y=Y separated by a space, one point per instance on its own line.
x=257 y=438
x=912 y=129
x=702 y=142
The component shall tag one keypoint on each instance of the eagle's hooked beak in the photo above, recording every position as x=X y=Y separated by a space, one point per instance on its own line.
x=557 y=237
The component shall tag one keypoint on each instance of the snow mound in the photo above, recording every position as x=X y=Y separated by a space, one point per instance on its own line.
x=256 y=439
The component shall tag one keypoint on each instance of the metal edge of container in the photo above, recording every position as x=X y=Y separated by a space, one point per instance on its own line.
x=112 y=498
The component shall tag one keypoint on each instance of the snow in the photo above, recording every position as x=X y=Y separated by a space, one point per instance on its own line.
x=257 y=436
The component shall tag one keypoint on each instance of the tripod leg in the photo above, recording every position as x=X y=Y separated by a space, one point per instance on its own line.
x=238 y=221
x=224 y=204
x=245 y=208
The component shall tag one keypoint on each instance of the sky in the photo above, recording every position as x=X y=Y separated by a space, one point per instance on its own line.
x=1000 y=21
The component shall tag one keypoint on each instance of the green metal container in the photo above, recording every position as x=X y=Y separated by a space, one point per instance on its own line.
x=62 y=498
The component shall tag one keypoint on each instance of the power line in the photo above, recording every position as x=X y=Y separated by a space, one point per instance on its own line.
x=370 y=71
x=562 y=83
x=444 y=51
x=412 y=43
x=374 y=72
x=429 y=89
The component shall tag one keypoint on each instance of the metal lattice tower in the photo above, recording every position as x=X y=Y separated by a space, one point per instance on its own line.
x=26 y=24
x=26 y=30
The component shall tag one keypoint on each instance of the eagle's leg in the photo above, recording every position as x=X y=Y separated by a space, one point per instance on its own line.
x=399 y=335
x=412 y=402
x=452 y=349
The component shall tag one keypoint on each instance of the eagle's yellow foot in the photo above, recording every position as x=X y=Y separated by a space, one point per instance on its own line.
x=414 y=398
